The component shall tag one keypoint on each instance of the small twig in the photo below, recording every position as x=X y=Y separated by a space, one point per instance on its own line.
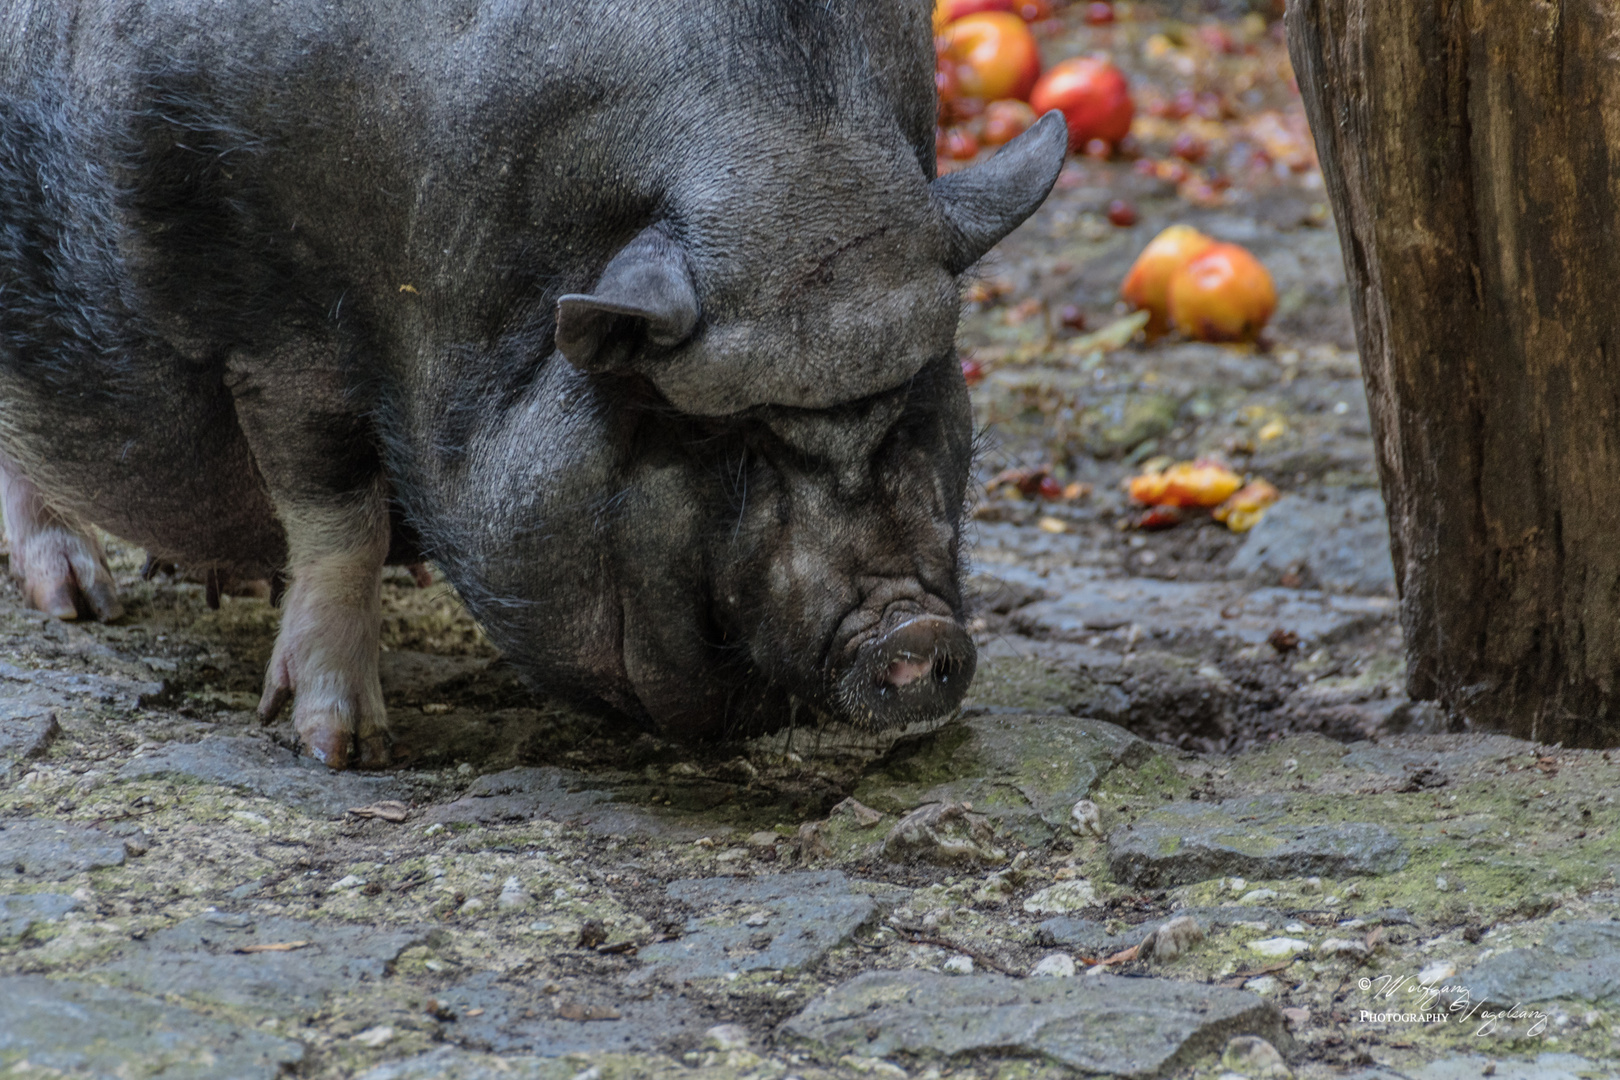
x=410 y=881
x=275 y=946
x=979 y=957
x=1238 y=978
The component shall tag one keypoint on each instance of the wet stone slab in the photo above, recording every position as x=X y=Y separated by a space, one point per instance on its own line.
x=27 y=728
x=1545 y=1066
x=450 y=1063
x=43 y=850
x=785 y=922
x=119 y=691
x=1186 y=842
x=586 y=801
x=1448 y=757
x=65 y=1028
x=201 y=959
x=1173 y=612
x=263 y=768
x=21 y=913
x=519 y=1017
x=1023 y=772
x=1576 y=961
x=1098 y=1024
x=1340 y=540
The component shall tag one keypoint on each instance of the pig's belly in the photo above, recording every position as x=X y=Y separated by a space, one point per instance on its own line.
x=169 y=472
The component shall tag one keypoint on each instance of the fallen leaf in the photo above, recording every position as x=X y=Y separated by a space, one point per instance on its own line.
x=390 y=810
x=1116 y=335
x=1124 y=956
x=276 y=946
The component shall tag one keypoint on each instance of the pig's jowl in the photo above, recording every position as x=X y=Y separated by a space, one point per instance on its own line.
x=637 y=317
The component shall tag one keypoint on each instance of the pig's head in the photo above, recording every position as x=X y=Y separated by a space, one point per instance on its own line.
x=791 y=443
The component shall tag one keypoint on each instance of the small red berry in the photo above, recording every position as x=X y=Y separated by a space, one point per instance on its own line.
x=959 y=145
x=1159 y=517
x=972 y=372
x=1189 y=147
x=1099 y=14
x=1121 y=213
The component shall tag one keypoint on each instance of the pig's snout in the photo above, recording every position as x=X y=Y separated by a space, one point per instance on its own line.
x=917 y=669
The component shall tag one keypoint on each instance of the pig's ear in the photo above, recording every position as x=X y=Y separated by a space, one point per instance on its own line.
x=645 y=296
x=982 y=204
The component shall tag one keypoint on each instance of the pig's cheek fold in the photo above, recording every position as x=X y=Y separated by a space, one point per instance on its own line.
x=669 y=670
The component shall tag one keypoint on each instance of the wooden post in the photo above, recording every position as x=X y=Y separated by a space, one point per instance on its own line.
x=1470 y=151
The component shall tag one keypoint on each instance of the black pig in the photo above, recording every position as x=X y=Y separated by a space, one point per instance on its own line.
x=636 y=316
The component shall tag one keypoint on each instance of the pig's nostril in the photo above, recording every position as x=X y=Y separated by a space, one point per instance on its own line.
x=905 y=671
x=919 y=669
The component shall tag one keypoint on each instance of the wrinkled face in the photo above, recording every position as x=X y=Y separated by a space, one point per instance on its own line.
x=839 y=574
x=789 y=563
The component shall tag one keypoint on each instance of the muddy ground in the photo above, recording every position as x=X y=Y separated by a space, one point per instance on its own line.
x=1160 y=839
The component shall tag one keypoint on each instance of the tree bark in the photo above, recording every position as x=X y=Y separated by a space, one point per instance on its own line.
x=1469 y=149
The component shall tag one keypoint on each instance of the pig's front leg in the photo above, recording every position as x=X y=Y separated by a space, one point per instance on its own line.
x=325 y=657
x=57 y=560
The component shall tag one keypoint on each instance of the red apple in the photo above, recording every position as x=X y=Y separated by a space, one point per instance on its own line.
x=1223 y=294
x=994 y=54
x=948 y=11
x=1093 y=96
x=1147 y=286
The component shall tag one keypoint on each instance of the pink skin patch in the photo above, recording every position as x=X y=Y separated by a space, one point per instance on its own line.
x=906 y=671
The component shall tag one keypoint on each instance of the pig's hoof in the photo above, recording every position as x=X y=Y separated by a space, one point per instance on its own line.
x=338 y=724
x=330 y=739
x=327 y=745
x=64 y=574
